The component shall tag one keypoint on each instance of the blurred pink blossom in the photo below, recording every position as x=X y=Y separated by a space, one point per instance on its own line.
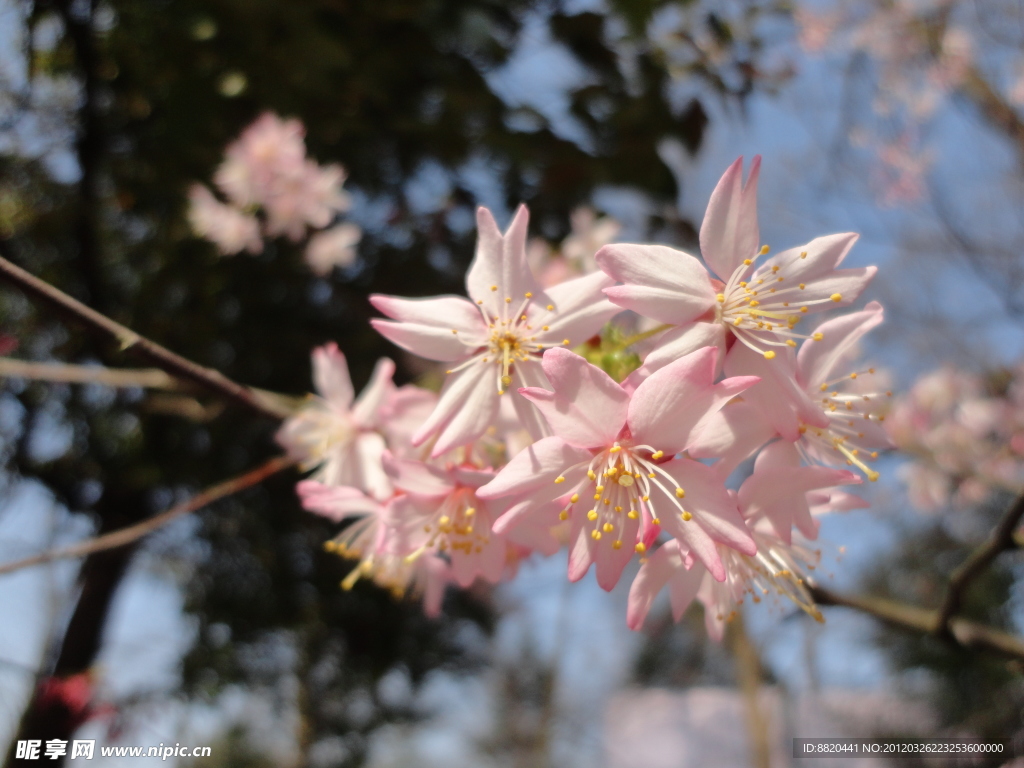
x=228 y=228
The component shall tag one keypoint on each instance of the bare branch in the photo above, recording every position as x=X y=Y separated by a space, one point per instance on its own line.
x=132 y=533
x=966 y=634
x=172 y=363
x=148 y=378
x=1000 y=540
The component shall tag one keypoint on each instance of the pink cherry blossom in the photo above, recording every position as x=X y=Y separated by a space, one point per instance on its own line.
x=440 y=512
x=813 y=399
x=334 y=247
x=344 y=437
x=779 y=565
x=758 y=304
x=493 y=339
x=231 y=230
x=616 y=448
x=371 y=540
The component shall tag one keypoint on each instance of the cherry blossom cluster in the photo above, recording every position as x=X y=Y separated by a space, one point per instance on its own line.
x=272 y=189
x=965 y=434
x=530 y=446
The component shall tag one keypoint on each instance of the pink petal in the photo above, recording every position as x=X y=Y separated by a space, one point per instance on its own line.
x=435 y=576
x=732 y=436
x=446 y=312
x=500 y=263
x=683 y=587
x=778 y=396
x=366 y=465
x=817 y=360
x=581 y=309
x=848 y=283
x=650 y=579
x=729 y=232
x=587 y=407
x=681 y=341
x=375 y=393
x=535 y=468
x=418 y=478
x=778 y=489
x=712 y=507
x=429 y=341
x=335 y=502
x=471 y=477
x=672 y=401
x=529 y=374
x=467 y=406
x=659 y=282
x=331 y=377
x=823 y=255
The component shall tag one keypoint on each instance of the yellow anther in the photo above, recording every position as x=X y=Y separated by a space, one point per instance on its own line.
x=720 y=297
x=626 y=480
x=563 y=515
x=454 y=331
x=803 y=254
x=551 y=307
x=775 y=269
x=592 y=514
x=444 y=520
x=632 y=514
x=790 y=343
x=687 y=517
x=657 y=455
x=769 y=355
x=608 y=527
x=506 y=380
x=546 y=328
x=494 y=287
x=599 y=489
x=528 y=295
x=616 y=544
x=618 y=509
x=651 y=475
x=574 y=498
x=656 y=520
x=803 y=430
x=748 y=262
x=836 y=297
x=640 y=547
x=479 y=301
x=680 y=493
x=645 y=498
x=559 y=479
x=853 y=375
x=508 y=299
x=737 y=321
x=804 y=310
x=595 y=535
x=615 y=449
x=817 y=336
x=590 y=474
x=824 y=387
x=764 y=250
x=755 y=303
x=802 y=286
x=565 y=342
x=330 y=546
x=597 y=496
x=873 y=476
x=607 y=502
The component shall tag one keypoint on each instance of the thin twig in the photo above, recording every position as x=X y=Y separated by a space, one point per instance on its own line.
x=132 y=533
x=1000 y=540
x=129 y=340
x=62 y=373
x=967 y=634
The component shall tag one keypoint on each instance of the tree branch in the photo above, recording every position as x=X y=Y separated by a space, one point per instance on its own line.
x=128 y=340
x=966 y=634
x=1000 y=540
x=132 y=533
x=61 y=373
